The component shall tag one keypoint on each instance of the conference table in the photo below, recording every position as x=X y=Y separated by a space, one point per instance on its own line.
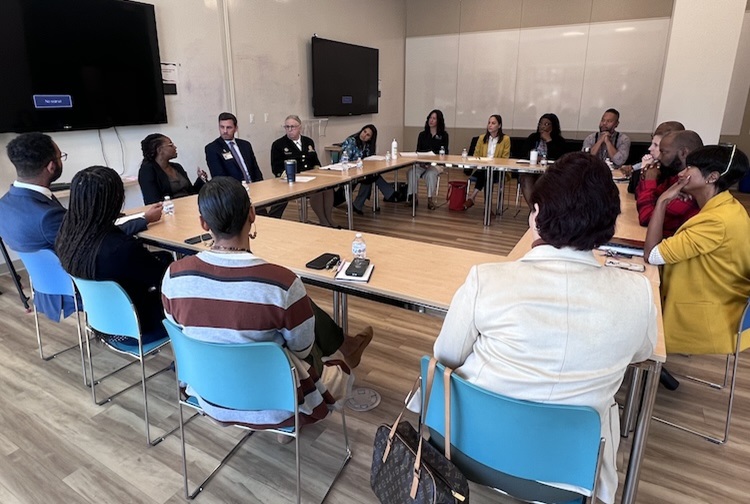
x=408 y=274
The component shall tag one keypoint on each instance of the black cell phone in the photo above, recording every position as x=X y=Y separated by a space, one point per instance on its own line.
x=195 y=240
x=324 y=261
x=358 y=267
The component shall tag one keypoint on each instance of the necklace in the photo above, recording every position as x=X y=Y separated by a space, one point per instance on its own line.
x=222 y=248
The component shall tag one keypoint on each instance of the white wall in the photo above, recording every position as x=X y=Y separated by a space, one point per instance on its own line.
x=703 y=44
x=271 y=59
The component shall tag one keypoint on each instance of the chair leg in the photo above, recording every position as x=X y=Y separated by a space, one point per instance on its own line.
x=730 y=403
x=347 y=453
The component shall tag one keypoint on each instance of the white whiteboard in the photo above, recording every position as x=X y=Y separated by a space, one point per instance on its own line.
x=575 y=71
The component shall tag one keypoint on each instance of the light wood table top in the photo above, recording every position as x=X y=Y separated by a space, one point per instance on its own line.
x=405 y=271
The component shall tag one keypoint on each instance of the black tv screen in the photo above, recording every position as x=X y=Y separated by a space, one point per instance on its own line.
x=78 y=64
x=345 y=78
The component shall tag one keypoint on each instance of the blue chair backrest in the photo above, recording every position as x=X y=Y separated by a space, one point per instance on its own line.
x=745 y=319
x=109 y=309
x=534 y=441
x=46 y=272
x=241 y=376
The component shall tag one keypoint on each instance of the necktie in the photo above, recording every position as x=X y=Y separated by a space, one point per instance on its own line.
x=240 y=161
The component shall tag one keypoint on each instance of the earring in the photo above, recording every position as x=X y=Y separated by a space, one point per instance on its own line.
x=253 y=231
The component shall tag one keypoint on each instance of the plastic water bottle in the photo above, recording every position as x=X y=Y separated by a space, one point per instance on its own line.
x=442 y=152
x=394 y=149
x=388 y=156
x=543 y=161
x=168 y=206
x=533 y=157
x=359 y=247
x=464 y=154
x=360 y=164
x=344 y=158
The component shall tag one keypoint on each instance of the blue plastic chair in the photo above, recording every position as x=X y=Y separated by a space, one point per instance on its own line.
x=47 y=276
x=109 y=311
x=513 y=445
x=732 y=358
x=221 y=373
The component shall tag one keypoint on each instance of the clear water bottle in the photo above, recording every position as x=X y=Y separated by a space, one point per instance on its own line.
x=394 y=149
x=543 y=160
x=360 y=164
x=344 y=158
x=168 y=206
x=359 y=247
x=464 y=154
x=388 y=156
x=442 y=151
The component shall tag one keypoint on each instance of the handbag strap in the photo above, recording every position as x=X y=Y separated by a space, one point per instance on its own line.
x=392 y=432
x=423 y=414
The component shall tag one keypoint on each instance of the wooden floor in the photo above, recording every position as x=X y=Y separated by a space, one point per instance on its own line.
x=56 y=446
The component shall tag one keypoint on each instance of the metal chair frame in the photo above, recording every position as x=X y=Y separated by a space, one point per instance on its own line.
x=52 y=279
x=114 y=295
x=744 y=324
x=181 y=346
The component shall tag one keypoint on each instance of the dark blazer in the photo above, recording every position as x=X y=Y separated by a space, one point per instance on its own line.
x=125 y=260
x=555 y=147
x=283 y=149
x=30 y=221
x=427 y=142
x=218 y=166
x=155 y=183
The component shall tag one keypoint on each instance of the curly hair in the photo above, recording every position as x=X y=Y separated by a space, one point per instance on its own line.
x=30 y=153
x=578 y=202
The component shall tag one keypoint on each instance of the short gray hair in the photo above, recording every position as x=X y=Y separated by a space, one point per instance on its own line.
x=295 y=117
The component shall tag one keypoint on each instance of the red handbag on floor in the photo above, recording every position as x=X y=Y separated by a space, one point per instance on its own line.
x=456 y=196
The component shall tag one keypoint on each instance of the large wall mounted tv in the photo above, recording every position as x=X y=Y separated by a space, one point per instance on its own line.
x=345 y=78
x=78 y=64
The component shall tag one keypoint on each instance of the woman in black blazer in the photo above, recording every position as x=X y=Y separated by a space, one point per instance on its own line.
x=160 y=177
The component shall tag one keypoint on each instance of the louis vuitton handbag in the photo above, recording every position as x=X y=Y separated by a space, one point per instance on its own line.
x=406 y=469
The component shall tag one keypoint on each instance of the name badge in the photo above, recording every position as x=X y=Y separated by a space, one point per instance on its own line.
x=227 y=155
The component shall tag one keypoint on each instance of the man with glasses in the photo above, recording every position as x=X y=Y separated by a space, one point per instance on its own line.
x=657 y=178
x=294 y=146
x=30 y=214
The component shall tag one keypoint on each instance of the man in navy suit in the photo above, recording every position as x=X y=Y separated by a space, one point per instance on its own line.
x=229 y=156
x=30 y=215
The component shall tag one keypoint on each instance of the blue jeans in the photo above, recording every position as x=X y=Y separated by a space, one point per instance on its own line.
x=365 y=188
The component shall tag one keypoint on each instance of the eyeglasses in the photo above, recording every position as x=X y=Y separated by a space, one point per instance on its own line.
x=729 y=164
x=63 y=156
x=288 y=127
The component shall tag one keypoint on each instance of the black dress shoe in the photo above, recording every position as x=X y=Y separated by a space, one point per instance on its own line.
x=669 y=381
x=357 y=211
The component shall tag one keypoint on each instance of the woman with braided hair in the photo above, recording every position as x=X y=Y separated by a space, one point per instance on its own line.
x=91 y=247
x=159 y=176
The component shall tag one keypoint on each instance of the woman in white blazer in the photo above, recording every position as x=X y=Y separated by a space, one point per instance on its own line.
x=556 y=326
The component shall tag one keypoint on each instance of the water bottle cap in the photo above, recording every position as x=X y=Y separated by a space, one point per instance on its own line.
x=358 y=235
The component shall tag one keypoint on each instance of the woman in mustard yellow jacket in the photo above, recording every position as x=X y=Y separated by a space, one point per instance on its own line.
x=493 y=143
x=706 y=280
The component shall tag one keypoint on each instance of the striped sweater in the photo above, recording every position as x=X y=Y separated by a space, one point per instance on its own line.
x=237 y=298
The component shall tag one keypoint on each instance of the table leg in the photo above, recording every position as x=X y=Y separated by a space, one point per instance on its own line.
x=416 y=190
x=374 y=196
x=632 y=401
x=14 y=275
x=349 y=204
x=344 y=314
x=500 y=195
x=488 y=195
x=630 y=488
x=337 y=307
x=303 y=209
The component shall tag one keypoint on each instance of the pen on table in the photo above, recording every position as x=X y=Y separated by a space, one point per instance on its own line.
x=338 y=267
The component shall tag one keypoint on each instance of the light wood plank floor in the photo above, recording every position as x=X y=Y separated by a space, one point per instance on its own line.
x=55 y=446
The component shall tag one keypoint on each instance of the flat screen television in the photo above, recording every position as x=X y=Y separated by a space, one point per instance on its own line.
x=78 y=64
x=345 y=78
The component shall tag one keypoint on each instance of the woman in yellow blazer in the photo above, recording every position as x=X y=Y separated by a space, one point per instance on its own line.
x=706 y=280
x=493 y=143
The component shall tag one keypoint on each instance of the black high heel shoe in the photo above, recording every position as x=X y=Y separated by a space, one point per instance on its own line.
x=669 y=381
